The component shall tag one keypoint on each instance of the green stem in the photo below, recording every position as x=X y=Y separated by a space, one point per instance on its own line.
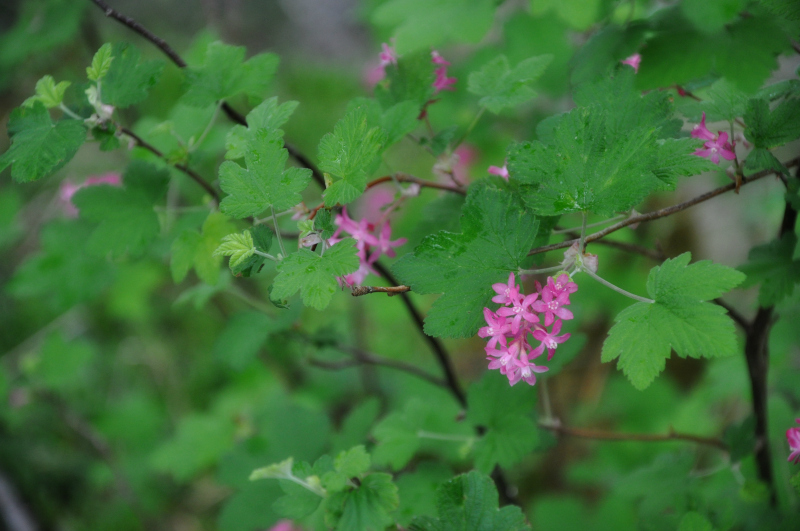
x=615 y=288
x=277 y=232
x=540 y=271
x=208 y=127
x=470 y=128
x=266 y=255
x=69 y=113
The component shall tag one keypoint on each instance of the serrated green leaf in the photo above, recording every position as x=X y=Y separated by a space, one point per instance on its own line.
x=264 y=183
x=101 y=62
x=501 y=87
x=323 y=223
x=772 y=266
x=679 y=320
x=694 y=521
x=348 y=153
x=604 y=50
x=410 y=80
x=193 y=249
x=47 y=92
x=769 y=128
x=38 y=146
x=224 y=74
x=366 y=507
x=497 y=234
x=583 y=171
x=315 y=275
x=182 y=254
x=710 y=17
x=128 y=81
x=676 y=158
x=760 y=159
x=353 y=462
x=470 y=503
x=723 y=101
x=429 y=23
x=239 y=246
x=268 y=115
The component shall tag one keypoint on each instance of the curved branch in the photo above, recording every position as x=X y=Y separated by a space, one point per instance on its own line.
x=196 y=177
x=390 y=291
x=601 y=435
x=406 y=178
x=234 y=116
x=664 y=212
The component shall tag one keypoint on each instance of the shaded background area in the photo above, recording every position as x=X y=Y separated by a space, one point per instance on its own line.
x=131 y=402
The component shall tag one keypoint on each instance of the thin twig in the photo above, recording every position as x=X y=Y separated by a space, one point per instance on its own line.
x=672 y=435
x=196 y=177
x=664 y=212
x=232 y=114
x=653 y=254
x=361 y=357
x=391 y=291
x=735 y=315
x=405 y=178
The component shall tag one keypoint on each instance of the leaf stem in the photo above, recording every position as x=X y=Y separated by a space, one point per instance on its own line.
x=540 y=271
x=616 y=288
x=205 y=132
x=266 y=255
x=66 y=110
x=469 y=128
x=277 y=232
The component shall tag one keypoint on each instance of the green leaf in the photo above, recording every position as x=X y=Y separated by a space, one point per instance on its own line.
x=63 y=366
x=762 y=159
x=583 y=171
x=579 y=14
x=38 y=146
x=502 y=87
x=224 y=74
x=268 y=115
x=497 y=234
x=505 y=414
x=367 y=507
x=604 y=50
x=679 y=320
x=315 y=275
x=265 y=183
x=710 y=17
x=351 y=463
x=772 y=266
x=47 y=92
x=348 y=153
x=356 y=425
x=766 y=129
x=410 y=80
x=193 y=249
x=429 y=23
x=238 y=344
x=128 y=81
x=723 y=101
x=127 y=223
x=323 y=222
x=694 y=521
x=470 y=503
x=101 y=62
x=676 y=158
x=239 y=246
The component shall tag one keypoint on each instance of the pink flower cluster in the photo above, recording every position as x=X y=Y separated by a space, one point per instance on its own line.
x=793 y=436
x=442 y=82
x=510 y=328
x=715 y=145
x=372 y=242
x=634 y=61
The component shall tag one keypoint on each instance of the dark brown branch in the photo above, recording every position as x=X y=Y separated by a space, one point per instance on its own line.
x=233 y=115
x=672 y=435
x=391 y=291
x=360 y=357
x=405 y=178
x=196 y=177
x=664 y=212
x=436 y=345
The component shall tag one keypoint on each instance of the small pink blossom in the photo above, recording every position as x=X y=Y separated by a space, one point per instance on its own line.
x=701 y=131
x=384 y=244
x=793 y=438
x=68 y=189
x=552 y=304
x=506 y=293
x=524 y=370
x=442 y=82
x=386 y=57
x=633 y=61
x=500 y=172
x=550 y=340
x=285 y=525
x=716 y=148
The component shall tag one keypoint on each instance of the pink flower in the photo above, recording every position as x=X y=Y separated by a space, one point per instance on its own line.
x=442 y=82
x=500 y=172
x=285 y=525
x=633 y=61
x=563 y=284
x=551 y=305
x=519 y=311
x=506 y=293
x=497 y=329
x=524 y=370
x=793 y=437
x=384 y=245
x=716 y=148
x=387 y=57
x=701 y=131
x=68 y=189
x=549 y=339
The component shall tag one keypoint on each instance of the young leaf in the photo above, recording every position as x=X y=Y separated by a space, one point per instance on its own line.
x=769 y=128
x=128 y=81
x=38 y=146
x=47 y=92
x=469 y=502
x=366 y=507
x=268 y=115
x=679 y=319
x=101 y=62
x=348 y=464
x=497 y=234
x=224 y=74
x=193 y=249
x=348 y=153
x=265 y=182
x=773 y=267
x=239 y=246
x=502 y=87
x=315 y=275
